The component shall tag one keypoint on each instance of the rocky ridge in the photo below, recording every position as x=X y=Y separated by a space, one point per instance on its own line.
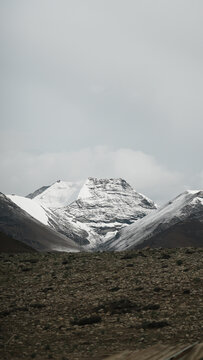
x=19 y=225
x=180 y=219
x=108 y=214
x=100 y=208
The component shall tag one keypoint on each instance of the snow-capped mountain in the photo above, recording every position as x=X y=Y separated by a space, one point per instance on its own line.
x=178 y=223
x=101 y=208
x=19 y=225
x=108 y=214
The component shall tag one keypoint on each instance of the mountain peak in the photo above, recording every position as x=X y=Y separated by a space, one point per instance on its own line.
x=59 y=194
x=93 y=212
x=106 y=205
x=104 y=181
x=95 y=187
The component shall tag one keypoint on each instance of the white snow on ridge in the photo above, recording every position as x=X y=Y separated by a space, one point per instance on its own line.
x=174 y=211
x=60 y=194
x=197 y=201
x=31 y=207
x=100 y=212
x=84 y=191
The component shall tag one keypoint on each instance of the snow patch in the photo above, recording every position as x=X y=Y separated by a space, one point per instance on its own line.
x=85 y=191
x=31 y=207
x=60 y=194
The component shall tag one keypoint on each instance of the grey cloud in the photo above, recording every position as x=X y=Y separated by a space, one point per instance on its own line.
x=122 y=74
x=28 y=172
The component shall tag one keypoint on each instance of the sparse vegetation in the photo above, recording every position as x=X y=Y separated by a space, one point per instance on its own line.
x=86 y=306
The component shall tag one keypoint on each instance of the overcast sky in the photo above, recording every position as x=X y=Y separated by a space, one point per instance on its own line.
x=104 y=88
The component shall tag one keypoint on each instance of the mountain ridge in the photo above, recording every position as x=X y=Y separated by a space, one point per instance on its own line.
x=58 y=194
x=185 y=208
x=101 y=207
x=18 y=224
x=108 y=214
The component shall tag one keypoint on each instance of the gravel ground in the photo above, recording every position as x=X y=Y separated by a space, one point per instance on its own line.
x=87 y=306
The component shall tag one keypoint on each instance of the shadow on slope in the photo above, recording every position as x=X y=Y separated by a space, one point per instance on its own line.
x=10 y=245
x=19 y=225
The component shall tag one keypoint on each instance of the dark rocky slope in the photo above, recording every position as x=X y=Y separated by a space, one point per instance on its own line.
x=10 y=245
x=184 y=234
x=178 y=223
x=19 y=225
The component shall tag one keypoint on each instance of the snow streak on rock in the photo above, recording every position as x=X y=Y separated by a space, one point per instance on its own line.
x=188 y=206
x=89 y=215
x=103 y=207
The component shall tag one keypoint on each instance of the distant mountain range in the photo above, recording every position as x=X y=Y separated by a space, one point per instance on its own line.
x=101 y=214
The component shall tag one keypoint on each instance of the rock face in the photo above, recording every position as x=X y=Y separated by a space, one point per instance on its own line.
x=103 y=207
x=178 y=223
x=37 y=192
x=18 y=224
